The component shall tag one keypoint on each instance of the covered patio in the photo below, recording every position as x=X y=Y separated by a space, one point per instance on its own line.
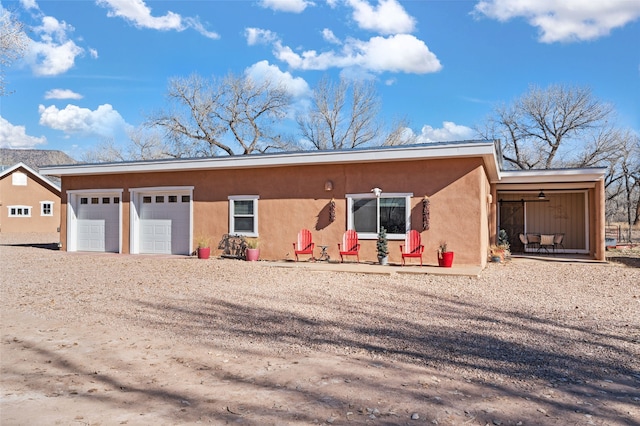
x=555 y=213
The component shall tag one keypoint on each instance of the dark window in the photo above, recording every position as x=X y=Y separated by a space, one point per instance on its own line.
x=243 y=217
x=393 y=215
x=370 y=214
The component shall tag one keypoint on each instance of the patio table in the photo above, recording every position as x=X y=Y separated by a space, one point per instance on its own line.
x=323 y=254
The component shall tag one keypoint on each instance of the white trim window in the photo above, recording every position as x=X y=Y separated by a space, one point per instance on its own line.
x=19 y=211
x=368 y=213
x=46 y=208
x=243 y=215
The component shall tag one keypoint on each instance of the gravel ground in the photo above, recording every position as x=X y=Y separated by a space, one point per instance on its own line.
x=526 y=342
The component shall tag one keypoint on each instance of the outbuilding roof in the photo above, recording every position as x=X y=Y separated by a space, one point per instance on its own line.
x=17 y=166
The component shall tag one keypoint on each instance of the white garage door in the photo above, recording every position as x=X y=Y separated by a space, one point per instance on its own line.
x=98 y=223
x=164 y=223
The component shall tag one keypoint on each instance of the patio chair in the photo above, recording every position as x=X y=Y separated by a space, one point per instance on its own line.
x=533 y=241
x=546 y=242
x=349 y=246
x=304 y=245
x=412 y=246
x=524 y=241
x=557 y=242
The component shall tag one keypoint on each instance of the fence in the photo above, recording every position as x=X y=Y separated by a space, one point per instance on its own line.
x=622 y=233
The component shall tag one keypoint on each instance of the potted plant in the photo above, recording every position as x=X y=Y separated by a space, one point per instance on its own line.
x=252 y=252
x=496 y=253
x=204 y=247
x=500 y=251
x=445 y=257
x=382 y=247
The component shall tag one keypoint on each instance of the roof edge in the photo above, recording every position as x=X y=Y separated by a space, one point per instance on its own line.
x=589 y=174
x=483 y=149
x=16 y=166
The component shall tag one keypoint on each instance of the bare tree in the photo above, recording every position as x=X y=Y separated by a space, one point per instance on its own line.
x=213 y=116
x=400 y=134
x=623 y=182
x=13 y=43
x=544 y=126
x=142 y=145
x=342 y=116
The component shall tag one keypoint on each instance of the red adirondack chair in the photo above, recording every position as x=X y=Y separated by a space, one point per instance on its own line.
x=350 y=245
x=412 y=246
x=305 y=244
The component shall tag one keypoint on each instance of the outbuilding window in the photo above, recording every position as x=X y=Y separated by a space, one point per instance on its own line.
x=243 y=215
x=19 y=211
x=368 y=213
x=46 y=208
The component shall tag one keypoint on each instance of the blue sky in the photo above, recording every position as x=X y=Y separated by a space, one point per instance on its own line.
x=98 y=68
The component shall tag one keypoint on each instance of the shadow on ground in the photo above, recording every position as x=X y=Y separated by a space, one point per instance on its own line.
x=45 y=246
x=628 y=257
x=486 y=356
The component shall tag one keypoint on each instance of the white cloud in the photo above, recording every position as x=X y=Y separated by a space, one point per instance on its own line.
x=294 y=6
x=53 y=54
x=29 y=4
x=93 y=53
x=389 y=17
x=329 y=36
x=197 y=25
x=259 y=36
x=399 y=53
x=16 y=137
x=450 y=131
x=296 y=86
x=564 y=20
x=138 y=13
x=48 y=59
x=62 y=94
x=104 y=121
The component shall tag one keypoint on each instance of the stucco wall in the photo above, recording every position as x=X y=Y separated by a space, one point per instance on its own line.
x=30 y=195
x=597 y=205
x=293 y=197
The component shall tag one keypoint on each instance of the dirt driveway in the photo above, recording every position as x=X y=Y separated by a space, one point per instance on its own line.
x=95 y=339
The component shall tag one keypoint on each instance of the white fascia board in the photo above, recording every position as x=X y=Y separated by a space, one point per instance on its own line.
x=486 y=150
x=536 y=187
x=552 y=176
x=15 y=167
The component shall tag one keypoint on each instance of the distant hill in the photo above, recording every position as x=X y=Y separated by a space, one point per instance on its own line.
x=34 y=158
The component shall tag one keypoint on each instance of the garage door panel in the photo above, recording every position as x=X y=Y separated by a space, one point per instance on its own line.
x=91 y=235
x=164 y=226
x=156 y=236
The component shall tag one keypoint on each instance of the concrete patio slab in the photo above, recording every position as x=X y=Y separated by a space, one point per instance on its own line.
x=374 y=268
